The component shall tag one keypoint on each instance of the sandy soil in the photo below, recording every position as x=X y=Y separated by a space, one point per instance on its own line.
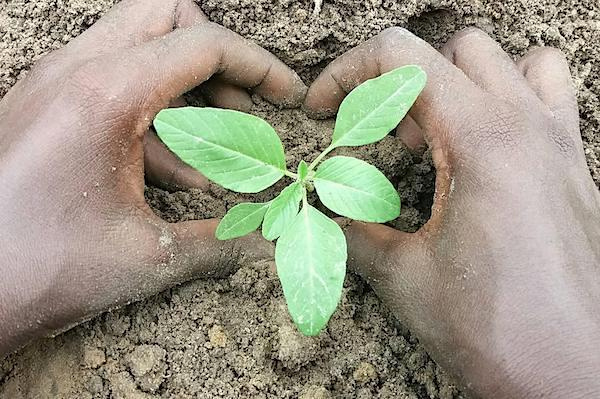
x=232 y=338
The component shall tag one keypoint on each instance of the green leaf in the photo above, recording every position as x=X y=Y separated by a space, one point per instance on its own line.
x=242 y=219
x=238 y=151
x=353 y=188
x=282 y=211
x=302 y=170
x=311 y=264
x=375 y=107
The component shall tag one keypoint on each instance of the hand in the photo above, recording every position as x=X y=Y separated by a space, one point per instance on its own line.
x=502 y=285
x=77 y=236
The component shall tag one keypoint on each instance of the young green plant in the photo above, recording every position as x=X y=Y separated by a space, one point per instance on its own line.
x=243 y=153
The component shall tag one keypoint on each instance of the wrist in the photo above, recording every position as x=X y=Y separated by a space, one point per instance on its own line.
x=30 y=293
x=528 y=352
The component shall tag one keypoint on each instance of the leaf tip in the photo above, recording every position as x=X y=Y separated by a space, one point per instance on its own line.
x=310 y=331
x=302 y=170
x=268 y=234
x=219 y=233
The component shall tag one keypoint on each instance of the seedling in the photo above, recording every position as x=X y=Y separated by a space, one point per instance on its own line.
x=243 y=153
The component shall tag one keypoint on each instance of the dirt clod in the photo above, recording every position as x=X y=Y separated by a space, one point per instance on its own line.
x=147 y=365
x=364 y=373
x=295 y=350
x=95 y=384
x=93 y=357
x=217 y=336
x=123 y=387
x=313 y=392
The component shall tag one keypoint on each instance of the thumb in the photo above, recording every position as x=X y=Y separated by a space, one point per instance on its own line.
x=173 y=253
x=143 y=258
x=196 y=252
x=396 y=264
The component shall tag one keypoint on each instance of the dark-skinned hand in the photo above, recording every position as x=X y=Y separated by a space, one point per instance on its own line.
x=77 y=236
x=502 y=285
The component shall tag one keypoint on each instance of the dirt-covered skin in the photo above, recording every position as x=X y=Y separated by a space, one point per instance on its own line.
x=232 y=338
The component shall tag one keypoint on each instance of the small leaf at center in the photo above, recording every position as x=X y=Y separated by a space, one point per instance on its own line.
x=302 y=170
x=282 y=211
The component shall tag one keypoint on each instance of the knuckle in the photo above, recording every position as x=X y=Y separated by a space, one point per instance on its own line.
x=394 y=32
x=156 y=245
x=544 y=55
x=90 y=77
x=471 y=32
x=103 y=92
x=564 y=143
x=467 y=39
x=218 y=36
x=216 y=30
x=47 y=66
x=495 y=127
x=106 y=80
x=182 y=6
x=391 y=37
x=49 y=61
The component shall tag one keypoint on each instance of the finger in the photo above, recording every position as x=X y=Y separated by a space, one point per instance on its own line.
x=190 y=250
x=482 y=59
x=188 y=14
x=164 y=169
x=197 y=252
x=547 y=71
x=188 y=57
x=411 y=134
x=396 y=47
x=132 y=22
x=157 y=255
x=341 y=76
x=394 y=263
x=225 y=95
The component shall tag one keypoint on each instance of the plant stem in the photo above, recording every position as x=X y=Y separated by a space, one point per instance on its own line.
x=291 y=174
x=304 y=200
x=320 y=157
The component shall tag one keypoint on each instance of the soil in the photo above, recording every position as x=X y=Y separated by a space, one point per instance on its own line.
x=232 y=338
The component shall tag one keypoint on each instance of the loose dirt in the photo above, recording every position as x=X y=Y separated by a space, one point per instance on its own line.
x=232 y=338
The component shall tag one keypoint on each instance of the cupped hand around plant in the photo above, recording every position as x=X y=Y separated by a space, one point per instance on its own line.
x=76 y=235
x=502 y=285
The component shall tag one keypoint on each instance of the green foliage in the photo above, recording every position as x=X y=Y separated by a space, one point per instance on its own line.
x=353 y=188
x=311 y=264
x=242 y=219
x=282 y=211
x=243 y=153
x=375 y=107
x=302 y=170
x=238 y=151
